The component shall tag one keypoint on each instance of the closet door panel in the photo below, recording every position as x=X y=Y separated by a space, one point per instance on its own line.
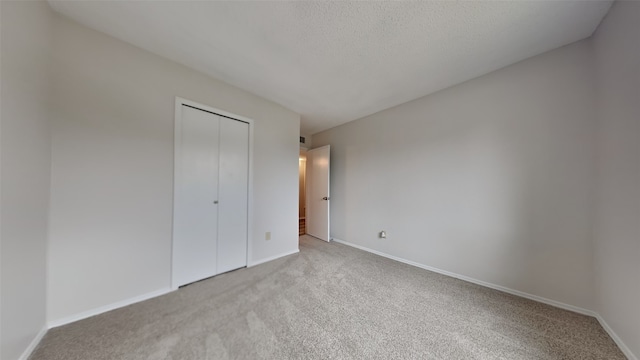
x=196 y=211
x=233 y=187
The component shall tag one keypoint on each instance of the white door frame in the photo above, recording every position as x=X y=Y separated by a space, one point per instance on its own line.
x=177 y=149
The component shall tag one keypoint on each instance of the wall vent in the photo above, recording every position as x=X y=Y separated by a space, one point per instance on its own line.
x=302 y=139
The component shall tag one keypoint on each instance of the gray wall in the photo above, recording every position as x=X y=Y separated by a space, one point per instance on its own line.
x=25 y=164
x=87 y=166
x=112 y=174
x=491 y=179
x=617 y=246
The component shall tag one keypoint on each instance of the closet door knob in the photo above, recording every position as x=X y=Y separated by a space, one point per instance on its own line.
x=215 y=201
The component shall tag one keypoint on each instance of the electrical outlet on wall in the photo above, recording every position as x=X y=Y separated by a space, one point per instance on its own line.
x=267 y=235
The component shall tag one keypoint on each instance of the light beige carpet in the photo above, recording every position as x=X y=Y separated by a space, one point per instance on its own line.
x=332 y=302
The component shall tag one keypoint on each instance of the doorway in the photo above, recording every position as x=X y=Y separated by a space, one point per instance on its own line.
x=302 y=181
x=317 y=188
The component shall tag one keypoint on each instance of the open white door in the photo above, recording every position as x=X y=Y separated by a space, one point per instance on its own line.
x=317 y=216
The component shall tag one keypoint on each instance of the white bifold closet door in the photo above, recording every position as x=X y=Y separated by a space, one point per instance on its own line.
x=211 y=195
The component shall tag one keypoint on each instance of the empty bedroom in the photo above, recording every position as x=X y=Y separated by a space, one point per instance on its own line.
x=319 y=179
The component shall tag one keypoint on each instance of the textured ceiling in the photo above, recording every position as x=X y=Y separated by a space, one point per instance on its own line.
x=334 y=62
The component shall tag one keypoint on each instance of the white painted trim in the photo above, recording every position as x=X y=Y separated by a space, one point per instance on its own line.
x=250 y=197
x=182 y=101
x=541 y=299
x=625 y=350
x=623 y=347
x=104 y=309
x=262 y=261
x=177 y=148
x=177 y=154
x=34 y=343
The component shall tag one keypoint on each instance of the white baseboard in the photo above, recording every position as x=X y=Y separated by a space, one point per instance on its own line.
x=625 y=350
x=557 y=304
x=103 y=309
x=623 y=347
x=262 y=261
x=34 y=343
x=123 y=303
